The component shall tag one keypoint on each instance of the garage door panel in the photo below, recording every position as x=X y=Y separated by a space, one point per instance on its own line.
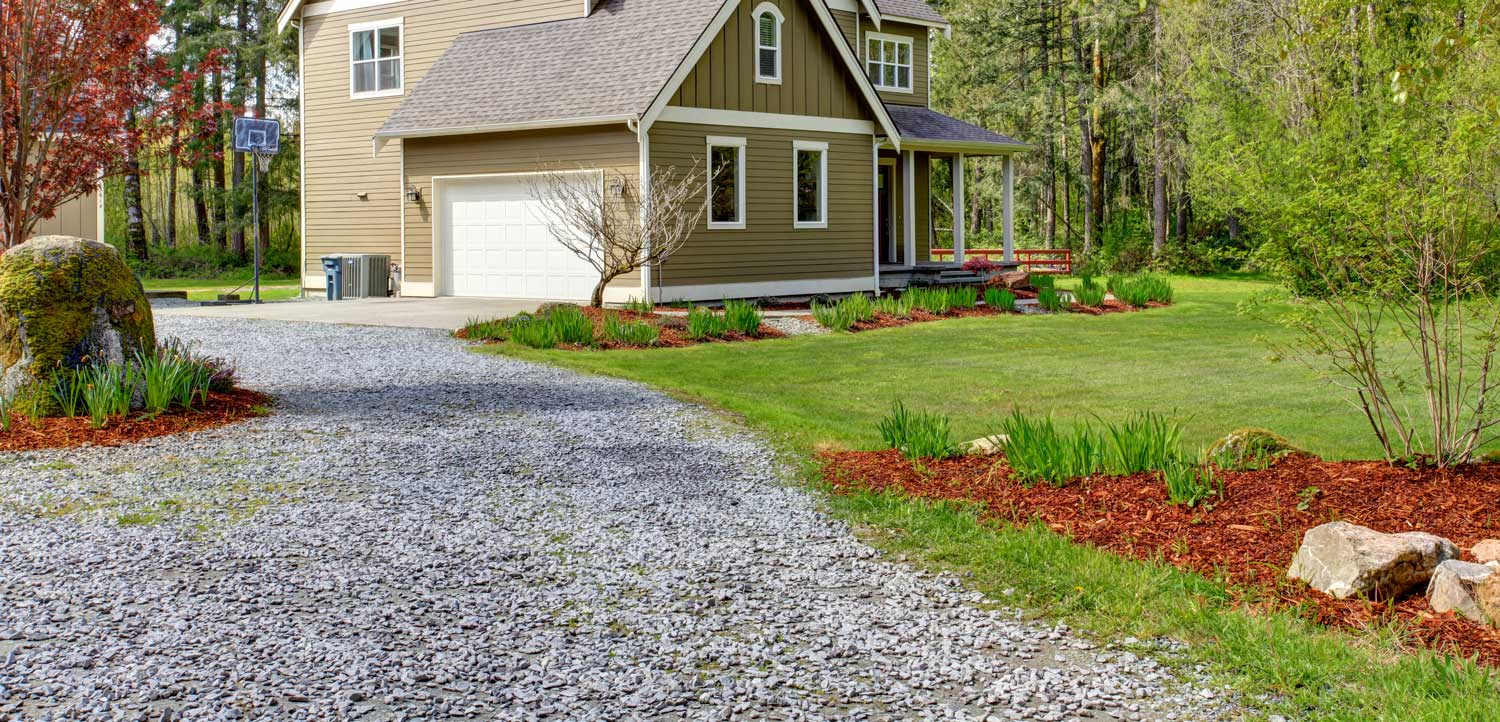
x=497 y=242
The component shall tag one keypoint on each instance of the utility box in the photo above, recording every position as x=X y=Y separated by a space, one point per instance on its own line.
x=357 y=275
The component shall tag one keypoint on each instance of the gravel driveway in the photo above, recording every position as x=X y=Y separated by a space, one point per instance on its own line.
x=420 y=532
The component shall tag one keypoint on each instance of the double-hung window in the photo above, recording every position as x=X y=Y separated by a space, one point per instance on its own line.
x=888 y=61
x=726 y=182
x=768 y=21
x=810 y=194
x=375 y=59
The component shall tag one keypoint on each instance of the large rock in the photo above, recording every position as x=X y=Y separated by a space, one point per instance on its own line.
x=1487 y=551
x=1487 y=597
x=1012 y=280
x=1454 y=588
x=65 y=302
x=1346 y=560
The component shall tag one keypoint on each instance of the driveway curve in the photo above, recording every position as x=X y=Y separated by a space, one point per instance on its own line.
x=420 y=532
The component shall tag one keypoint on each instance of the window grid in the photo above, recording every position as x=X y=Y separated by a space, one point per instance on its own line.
x=889 y=63
x=375 y=60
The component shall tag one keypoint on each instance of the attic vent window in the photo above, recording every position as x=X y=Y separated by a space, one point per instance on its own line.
x=375 y=59
x=768 y=20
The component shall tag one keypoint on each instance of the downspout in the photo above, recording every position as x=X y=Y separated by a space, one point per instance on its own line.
x=643 y=153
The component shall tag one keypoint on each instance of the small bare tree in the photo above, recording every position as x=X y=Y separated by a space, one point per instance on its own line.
x=613 y=226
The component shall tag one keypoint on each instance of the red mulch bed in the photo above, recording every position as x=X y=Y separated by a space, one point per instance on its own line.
x=1247 y=537
x=882 y=320
x=60 y=433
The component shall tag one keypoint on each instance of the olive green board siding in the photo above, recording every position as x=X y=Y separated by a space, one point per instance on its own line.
x=849 y=24
x=611 y=148
x=814 y=79
x=340 y=164
x=78 y=217
x=769 y=248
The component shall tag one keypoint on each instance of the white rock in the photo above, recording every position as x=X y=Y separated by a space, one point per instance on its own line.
x=1453 y=586
x=985 y=445
x=1346 y=560
x=1487 y=551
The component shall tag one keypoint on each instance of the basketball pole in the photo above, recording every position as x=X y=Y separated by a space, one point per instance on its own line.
x=255 y=214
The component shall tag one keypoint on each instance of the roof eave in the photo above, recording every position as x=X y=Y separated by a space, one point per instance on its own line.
x=966 y=146
x=381 y=136
x=288 y=12
x=943 y=26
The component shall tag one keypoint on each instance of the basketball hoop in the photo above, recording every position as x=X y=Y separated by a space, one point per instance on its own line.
x=261 y=138
x=263 y=159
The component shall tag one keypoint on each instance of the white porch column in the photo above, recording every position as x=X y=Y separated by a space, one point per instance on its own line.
x=1008 y=209
x=959 y=214
x=909 y=206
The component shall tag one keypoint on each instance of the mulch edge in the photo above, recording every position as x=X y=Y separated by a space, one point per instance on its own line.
x=953 y=480
x=222 y=409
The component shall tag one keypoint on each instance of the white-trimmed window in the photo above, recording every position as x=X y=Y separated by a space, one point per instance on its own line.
x=888 y=61
x=726 y=182
x=375 y=67
x=810 y=192
x=768 y=20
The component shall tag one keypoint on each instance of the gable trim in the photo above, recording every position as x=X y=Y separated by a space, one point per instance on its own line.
x=774 y=121
x=832 y=32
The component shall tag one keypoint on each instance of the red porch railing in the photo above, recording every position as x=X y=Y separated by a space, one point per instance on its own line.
x=1055 y=261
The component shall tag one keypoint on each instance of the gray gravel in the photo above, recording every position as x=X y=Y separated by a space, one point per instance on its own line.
x=420 y=532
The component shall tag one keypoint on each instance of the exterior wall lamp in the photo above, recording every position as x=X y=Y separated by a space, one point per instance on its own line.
x=413 y=193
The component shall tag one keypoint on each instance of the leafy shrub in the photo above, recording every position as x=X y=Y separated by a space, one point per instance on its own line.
x=918 y=435
x=1000 y=298
x=571 y=325
x=980 y=264
x=1050 y=299
x=1141 y=289
x=1247 y=449
x=963 y=296
x=533 y=331
x=1144 y=442
x=630 y=333
x=703 y=323
x=1089 y=293
x=482 y=330
x=895 y=305
x=743 y=316
x=1190 y=484
x=1038 y=451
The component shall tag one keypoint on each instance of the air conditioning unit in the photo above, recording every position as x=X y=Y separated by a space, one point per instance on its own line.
x=361 y=275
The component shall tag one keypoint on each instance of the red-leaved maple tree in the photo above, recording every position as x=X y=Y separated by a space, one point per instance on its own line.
x=70 y=73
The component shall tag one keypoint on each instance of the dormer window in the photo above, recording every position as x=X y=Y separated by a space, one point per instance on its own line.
x=768 y=19
x=375 y=59
x=888 y=60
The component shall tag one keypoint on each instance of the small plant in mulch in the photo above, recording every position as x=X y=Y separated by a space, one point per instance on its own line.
x=918 y=435
x=566 y=326
x=1000 y=299
x=1050 y=299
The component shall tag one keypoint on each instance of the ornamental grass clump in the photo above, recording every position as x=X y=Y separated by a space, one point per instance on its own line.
x=918 y=435
x=963 y=297
x=703 y=324
x=533 y=331
x=1145 y=441
x=571 y=325
x=107 y=391
x=743 y=317
x=1191 y=484
x=643 y=306
x=897 y=306
x=1049 y=299
x=859 y=307
x=1038 y=451
x=1040 y=281
x=1089 y=293
x=630 y=333
x=935 y=301
x=485 y=330
x=1142 y=289
x=833 y=316
x=1000 y=299
x=67 y=392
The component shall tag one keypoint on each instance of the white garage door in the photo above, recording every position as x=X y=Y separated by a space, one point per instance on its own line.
x=496 y=243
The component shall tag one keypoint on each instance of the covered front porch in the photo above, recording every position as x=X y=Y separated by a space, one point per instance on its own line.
x=909 y=217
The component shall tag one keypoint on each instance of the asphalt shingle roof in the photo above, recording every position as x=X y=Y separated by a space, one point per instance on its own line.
x=611 y=63
x=918 y=123
x=914 y=9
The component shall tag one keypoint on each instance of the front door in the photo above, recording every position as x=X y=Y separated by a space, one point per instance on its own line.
x=885 y=180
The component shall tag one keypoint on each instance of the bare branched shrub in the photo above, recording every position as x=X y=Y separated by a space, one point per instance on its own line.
x=604 y=219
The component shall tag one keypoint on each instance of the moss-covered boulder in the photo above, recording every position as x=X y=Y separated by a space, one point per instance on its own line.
x=1249 y=448
x=65 y=302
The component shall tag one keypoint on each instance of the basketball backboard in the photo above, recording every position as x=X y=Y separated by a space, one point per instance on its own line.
x=257 y=135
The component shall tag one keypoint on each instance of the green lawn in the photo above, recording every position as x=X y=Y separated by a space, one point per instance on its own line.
x=272 y=288
x=1198 y=358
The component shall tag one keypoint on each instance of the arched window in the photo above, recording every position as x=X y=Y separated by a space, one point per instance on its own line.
x=768 y=19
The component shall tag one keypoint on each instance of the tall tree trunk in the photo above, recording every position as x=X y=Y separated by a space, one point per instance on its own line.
x=172 y=160
x=1184 y=214
x=221 y=192
x=1097 y=140
x=237 y=101
x=1158 y=142
x=1086 y=142
x=135 y=216
x=200 y=205
x=1233 y=221
x=1049 y=158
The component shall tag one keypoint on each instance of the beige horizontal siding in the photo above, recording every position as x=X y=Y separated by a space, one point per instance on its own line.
x=769 y=248
x=611 y=148
x=337 y=131
x=814 y=79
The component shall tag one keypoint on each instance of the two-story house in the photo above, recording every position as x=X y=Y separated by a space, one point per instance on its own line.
x=422 y=120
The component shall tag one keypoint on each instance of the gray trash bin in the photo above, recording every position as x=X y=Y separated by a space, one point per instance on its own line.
x=333 y=277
